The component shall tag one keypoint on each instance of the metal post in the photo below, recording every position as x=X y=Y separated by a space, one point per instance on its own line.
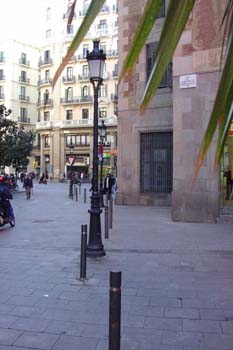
x=115 y=311
x=110 y=211
x=79 y=188
x=95 y=246
x=106 y=231
x=76 y=193
x=85 y=195
x=83 y=252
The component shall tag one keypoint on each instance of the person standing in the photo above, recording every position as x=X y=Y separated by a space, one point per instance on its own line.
x=28 y=185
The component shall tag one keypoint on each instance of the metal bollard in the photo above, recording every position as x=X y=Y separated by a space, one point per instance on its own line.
x=79 y=188
x=110 y=211
x=85 y=195
x=83 y=252
x=76 y=193
x=106 y=231
x=115 y=311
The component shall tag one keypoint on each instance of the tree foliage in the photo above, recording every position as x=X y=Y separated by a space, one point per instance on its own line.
x=16 y=143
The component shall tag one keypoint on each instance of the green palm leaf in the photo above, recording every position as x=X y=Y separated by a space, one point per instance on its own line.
x=221 y=107
x=175 y=21
x=92 y=12
x=144 y=28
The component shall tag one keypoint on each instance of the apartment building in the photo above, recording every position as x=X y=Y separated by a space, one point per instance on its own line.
x=163 y=143
x=66 y=112
x=18 y=82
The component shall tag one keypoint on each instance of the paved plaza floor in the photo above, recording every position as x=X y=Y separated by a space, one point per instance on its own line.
x=177 y=278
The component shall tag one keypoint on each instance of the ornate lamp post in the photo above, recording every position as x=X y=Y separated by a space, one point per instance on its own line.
x=102 y=134
x=96 y=60
x=71 y=147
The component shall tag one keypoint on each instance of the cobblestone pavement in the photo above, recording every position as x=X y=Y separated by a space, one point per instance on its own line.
x=177 y=279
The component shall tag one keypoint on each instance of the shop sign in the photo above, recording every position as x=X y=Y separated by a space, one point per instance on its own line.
x=188 y=81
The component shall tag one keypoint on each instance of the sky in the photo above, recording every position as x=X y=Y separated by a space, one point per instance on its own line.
x=20 y=19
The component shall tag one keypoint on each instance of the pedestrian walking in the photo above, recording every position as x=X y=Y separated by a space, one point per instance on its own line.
x=28 y=185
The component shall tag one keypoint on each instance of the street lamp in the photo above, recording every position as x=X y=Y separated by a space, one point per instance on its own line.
x=71 y=147
x=96 y=60
x=102 y=134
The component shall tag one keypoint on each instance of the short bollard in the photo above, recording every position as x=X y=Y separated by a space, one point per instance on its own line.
x=85 y=195
x=110 y=211
x=115 y=311
x=106 y=232
x=79 y=188
x=83 y=252
x=76 y=193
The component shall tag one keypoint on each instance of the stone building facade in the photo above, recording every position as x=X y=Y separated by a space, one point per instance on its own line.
x=158 y=150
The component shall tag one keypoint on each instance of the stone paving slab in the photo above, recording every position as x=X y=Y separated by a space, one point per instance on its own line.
x=177 y=279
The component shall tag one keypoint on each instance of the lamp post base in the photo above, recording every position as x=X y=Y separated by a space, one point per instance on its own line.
x=95 y=246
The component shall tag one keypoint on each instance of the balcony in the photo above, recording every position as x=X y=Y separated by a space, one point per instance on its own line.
x=45 y=103
x=24 y=80
x=102 y=31
x=104 y=9
x=24 y=62
x=2 y=60
x=76 y=100
x=44 y=125
x=112 y=53
x=45 y=62
x=83 y=77
x=2 y=77
x=69 y=79
x=43 y=82
x=24 y=120
x=73 y=59
x=82 y=13
x=76 y=123
x=24 y=98
x=2 y=96
x=66 y=15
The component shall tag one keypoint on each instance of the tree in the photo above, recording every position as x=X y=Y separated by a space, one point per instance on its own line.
x=177 y=16
x=16 y=144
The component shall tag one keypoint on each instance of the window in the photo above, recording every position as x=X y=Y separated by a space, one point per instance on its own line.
x=85 y=71
x=1 y=91
x=103 y=91
x=69 y=73
x=47 y=56
x=69 y=139
x=85 y=113
x=69 y=94
x=103 y=46
x=102 y=24
x=85 y=91
x=102 y=112
x=23 y=91
x=69 y=114
x=156 y=162
x=150 y=57
x=48 y=34
x=70 y=29
x=46 y=75
x=23 y=58
x=85 y=49
x=23 y=76
x=47 y=141
x=48 y=14
x=23 y=113
x=1 y=74
x=2 y=56
x=46 y=116
x=46 y=96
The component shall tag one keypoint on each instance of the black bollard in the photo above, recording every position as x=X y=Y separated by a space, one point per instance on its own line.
x=85 y=195
x=76 y=193
x=115 y=311
x=79 y=188
x=83 y=252
x=110 y=211
x=106 y=231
